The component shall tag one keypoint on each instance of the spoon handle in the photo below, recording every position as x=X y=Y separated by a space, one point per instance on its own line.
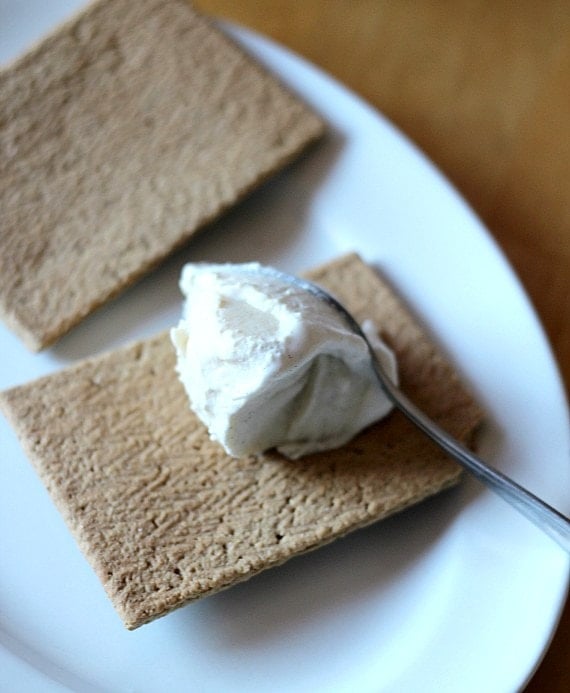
x=547 y=518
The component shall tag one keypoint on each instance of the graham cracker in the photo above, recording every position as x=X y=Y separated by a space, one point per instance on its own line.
x=164 y=516
x=121 y=134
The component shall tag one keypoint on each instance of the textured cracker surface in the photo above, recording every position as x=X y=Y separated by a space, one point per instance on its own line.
x=164 y=516
x=121 y=134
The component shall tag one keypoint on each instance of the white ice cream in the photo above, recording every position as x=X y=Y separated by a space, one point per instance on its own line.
x=266 y=364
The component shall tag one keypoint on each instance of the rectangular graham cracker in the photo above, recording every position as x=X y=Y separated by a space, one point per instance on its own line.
x=164 y=516
x=121 y=134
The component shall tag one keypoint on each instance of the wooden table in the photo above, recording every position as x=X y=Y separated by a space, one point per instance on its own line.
x=484 y=88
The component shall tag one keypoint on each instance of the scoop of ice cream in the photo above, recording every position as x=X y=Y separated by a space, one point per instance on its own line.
x=268 y=365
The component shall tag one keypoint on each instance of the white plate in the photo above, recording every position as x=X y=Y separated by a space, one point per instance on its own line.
x=457 y=594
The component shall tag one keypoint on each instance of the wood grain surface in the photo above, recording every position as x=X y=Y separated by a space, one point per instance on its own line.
x=484 y=89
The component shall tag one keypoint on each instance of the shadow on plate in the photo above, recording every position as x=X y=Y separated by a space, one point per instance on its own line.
x=371 y=561
x=280 y=602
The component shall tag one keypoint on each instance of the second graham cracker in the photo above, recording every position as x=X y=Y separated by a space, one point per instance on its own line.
x=121 y=134
x=164 y=516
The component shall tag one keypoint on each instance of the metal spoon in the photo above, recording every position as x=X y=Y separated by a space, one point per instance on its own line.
x=545 y=517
